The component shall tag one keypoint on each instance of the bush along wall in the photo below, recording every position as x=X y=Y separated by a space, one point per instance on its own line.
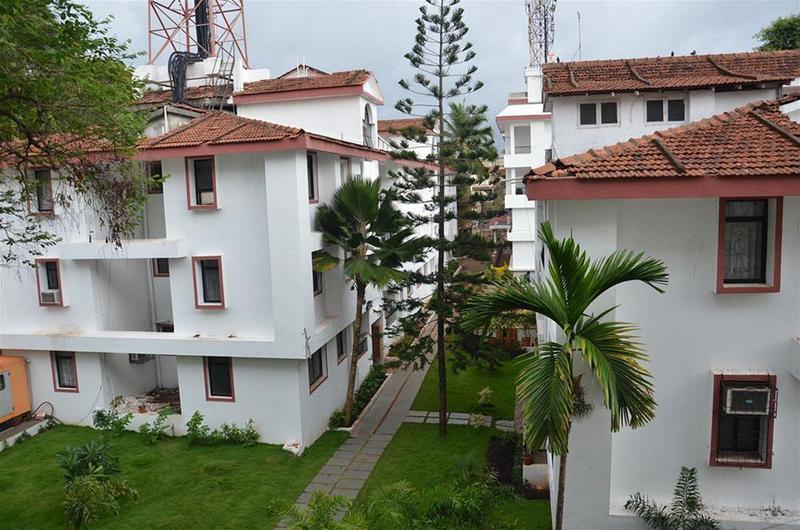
x=373 y=381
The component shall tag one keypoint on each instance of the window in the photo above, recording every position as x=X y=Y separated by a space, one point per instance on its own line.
x=44 y=191
x=345 y=167
x=160 y=267
x=48 y=281
x=153 y=170
x=219 y=378
x=165 y=327
x=317 y=368
x=548 y=155
x=363 y=345
x=2 y=382
x=65 y=371
x=201 y=184
x=656 y=109
x=341 y=345
x=140 y=358
x=311 y=166
x=367 y=126
x=588 y=113
x=743 y=420
x=749 y=245
x=316 y=279
x=208 y=283
x=522 y=139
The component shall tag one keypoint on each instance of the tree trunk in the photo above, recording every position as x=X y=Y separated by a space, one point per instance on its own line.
x=440 y=354
x=351 y=379
x=562 y=479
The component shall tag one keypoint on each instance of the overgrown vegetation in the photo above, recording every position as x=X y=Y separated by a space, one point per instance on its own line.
x=93 y=488
x=198 y=433
x=372 y=382
x=153 y=432
x=111 y=422
x=686 y=512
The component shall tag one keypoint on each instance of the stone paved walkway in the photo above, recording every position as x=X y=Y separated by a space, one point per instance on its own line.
x=348 y=469
x=459 y=418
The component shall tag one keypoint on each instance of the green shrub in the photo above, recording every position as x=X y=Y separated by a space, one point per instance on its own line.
x=111 y=421
x=92 y=488
x=336 y=420
x=198 y=433
x=153 y=432
x=368 y=388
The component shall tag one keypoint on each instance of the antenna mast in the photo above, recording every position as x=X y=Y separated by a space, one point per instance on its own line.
x=541 y=29
x=180 y=25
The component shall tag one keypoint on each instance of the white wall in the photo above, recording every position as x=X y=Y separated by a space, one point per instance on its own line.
x=689 y=332
x=569 y=137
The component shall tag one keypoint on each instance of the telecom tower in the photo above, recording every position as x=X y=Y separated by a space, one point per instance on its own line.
x=541 y=30
x=191 y=31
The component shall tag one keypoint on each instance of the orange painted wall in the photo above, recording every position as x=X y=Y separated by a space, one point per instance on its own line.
x=19 y=384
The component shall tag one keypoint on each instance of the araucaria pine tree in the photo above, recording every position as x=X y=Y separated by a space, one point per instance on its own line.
x=463 y=148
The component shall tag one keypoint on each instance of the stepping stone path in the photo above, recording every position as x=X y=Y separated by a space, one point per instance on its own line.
x=459 y=418
x=347 y=470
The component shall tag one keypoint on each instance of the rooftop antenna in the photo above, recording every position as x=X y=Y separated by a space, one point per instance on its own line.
x=579 y=35
x=541 y=30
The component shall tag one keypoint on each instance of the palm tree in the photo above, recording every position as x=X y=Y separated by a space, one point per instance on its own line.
x=376 y=239
x=548 y=388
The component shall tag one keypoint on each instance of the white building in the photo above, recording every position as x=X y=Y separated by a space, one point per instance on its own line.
x=709 y=186
x=215 y=296
x=525 y=127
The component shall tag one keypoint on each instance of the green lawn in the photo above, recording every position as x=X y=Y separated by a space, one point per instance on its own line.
x=420 y=456
x=180 y=486
x=463 y=388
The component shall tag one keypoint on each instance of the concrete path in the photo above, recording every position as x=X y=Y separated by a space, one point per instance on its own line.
x=347 y=470
x=459 y=418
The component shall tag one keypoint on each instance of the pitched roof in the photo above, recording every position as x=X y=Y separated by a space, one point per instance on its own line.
x=285 y=84
x=194 y=93
x=397 y=125
x=751 y=141
x=292 y=72
x=219 y=128
x=663 y=73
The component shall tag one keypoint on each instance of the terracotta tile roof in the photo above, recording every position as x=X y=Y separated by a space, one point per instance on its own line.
x=219 y=128
x=397 y=125
x=661 y=73
x=754 y=140
x=195 y=93
x=332 y=80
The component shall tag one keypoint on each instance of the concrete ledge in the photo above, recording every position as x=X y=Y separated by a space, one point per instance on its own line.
x=130 y=249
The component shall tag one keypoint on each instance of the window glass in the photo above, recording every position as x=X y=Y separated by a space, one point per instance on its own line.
x=44 y=190
x=162 y=266
x=676 y=110
x=588 y=113
x=522 y=139
x=154 y=170
x=311 y=163
x=746 y=241
x=209 y=270
x=51 y=273
x=65 y=370
x=220 y=376
x=341 y=347
x=316 y=366
x=344 y=168
x=203 y=181
x=608 y=112
x=655 y=110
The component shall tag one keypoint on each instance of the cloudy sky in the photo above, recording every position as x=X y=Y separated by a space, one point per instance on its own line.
x=374 y=34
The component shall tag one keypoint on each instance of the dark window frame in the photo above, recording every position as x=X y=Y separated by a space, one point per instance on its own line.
x=763 y=219
x=45 y=202
x=44 y=280
x=192 y=191
x=199 y=284
x=647 y=106
x=319 y=357
x=341 y=346
x=150 y=168
x=581 y=106
x=721 y=383
x=55 y=363
x=312 y=176
x=158 y=271
x=218 y=362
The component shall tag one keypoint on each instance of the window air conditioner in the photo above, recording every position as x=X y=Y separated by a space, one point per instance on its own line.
x=51 y=297
x=206 y=197
x=749 y=401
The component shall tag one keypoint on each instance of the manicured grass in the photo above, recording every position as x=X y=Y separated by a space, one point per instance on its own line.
x=418 y=454
x=180 y=486
x=463 y=388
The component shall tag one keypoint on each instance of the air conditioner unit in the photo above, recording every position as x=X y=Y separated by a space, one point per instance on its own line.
x=206 y=197
x=753 y=401
x=51 y=297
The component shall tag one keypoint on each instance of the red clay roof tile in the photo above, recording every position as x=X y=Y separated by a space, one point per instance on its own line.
x=284 y=84
x=194 y=93
x=664 y=73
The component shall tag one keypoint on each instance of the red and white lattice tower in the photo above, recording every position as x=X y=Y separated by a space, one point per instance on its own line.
x=172 y=25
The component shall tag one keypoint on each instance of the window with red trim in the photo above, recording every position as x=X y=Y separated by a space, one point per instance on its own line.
x=65 y=371
x=749 y=245
x=219 y=378
x=743 y=420
x=48 y=281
